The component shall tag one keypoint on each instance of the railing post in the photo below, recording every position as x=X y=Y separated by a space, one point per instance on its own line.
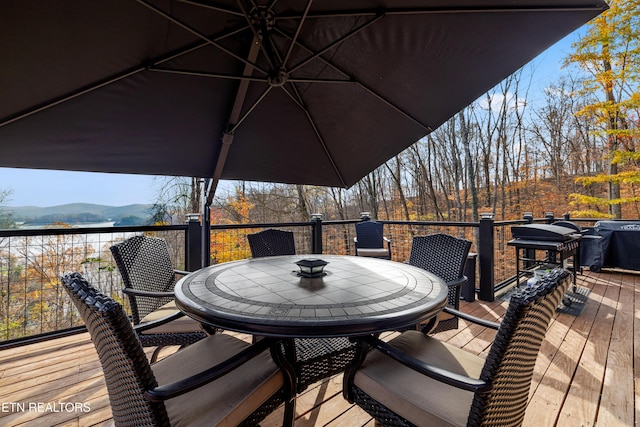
x=316 y=233
x=486 y=257
x=529 y=254
x=549 y=217
x=528 y=216
x=205 y=240
x=193 y=243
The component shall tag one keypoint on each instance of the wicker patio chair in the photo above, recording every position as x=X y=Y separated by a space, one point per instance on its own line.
x=445 y=256
x=148 y=276
x=370 y=241
x=315 y=358
x=271 y=242
x=416 y=379
x=220 y=380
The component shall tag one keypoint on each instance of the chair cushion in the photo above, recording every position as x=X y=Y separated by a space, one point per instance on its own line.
x=418 y=398
x=378 y=252
x=227 y=400
x=182 y=324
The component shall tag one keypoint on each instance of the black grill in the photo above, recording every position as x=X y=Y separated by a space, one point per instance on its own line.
x=559 y=243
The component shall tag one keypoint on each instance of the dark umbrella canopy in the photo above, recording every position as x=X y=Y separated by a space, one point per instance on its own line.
x=285 y=91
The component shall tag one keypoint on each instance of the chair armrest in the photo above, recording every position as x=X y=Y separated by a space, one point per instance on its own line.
x=168 y=391
x=473 y=319
x=457 y=282
x=451 y=378
x=140 y=293
x=181 y=272
x=141 y=327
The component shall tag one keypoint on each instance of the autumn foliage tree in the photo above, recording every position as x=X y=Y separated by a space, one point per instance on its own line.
x=33 y=300
x=610 y=53
x=230 y=245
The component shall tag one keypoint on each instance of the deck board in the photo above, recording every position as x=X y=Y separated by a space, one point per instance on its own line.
x=616 y=407
x=587 y=373
x=583 y=396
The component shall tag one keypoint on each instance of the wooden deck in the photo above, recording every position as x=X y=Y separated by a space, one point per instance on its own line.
x=587 y=373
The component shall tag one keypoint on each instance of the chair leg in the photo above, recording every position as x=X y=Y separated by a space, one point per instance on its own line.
x=155 y=354
x=289 y=412
x=210 y=330
x=425 y=328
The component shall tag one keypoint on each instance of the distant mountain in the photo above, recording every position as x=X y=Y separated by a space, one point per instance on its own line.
x=74 y=213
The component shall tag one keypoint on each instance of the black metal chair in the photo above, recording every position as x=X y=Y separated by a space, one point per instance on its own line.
x=218 y=380
x=148 y=276
x=416 y=379
x=315 y=358
x=370 y=241
x=445 y=256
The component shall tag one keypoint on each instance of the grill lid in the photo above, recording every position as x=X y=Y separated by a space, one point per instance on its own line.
x=545 y=232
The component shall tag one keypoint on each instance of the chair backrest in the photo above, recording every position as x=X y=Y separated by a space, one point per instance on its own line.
x=512 y=356
x=145 y=264
x=445 y=256
x=369 y=234
x=126 y=369
x=271 y=242
x=441 y=254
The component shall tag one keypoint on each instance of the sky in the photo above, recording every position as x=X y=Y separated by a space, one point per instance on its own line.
x=30 y=187
x=44 y=188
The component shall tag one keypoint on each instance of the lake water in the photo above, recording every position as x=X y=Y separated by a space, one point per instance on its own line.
x=83 y=225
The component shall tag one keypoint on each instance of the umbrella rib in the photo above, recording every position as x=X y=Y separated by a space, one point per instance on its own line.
x=272 y=5
x=426 y=127
x=210 y=75
x=424 y=11
x=297 y=33
x=115 y=78
x=200 y=35
x=244 y=77
x=363 y=86
x=311 y=80
x=245 y=115
x=99 y=84
x=312 y=122
x=211 y=7
x=335 y=43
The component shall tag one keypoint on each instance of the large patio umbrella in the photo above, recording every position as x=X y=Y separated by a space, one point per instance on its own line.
x=291 y=91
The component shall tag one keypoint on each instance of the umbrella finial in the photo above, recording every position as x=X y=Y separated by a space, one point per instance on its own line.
x=278 y=77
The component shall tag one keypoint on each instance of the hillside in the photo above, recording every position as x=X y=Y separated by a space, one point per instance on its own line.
x=74 y=213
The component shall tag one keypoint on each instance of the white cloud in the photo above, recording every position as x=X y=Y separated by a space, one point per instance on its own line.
x=497 y=101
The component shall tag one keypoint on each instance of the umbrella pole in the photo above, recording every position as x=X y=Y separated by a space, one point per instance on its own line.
x=227 y=139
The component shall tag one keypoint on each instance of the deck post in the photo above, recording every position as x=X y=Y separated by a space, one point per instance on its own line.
x=193 y=243
x=486 y=257
x=528 y=253
x=549 y=217
x=316 y=233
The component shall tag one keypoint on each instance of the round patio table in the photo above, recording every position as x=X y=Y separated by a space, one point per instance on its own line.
x=267 y=296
